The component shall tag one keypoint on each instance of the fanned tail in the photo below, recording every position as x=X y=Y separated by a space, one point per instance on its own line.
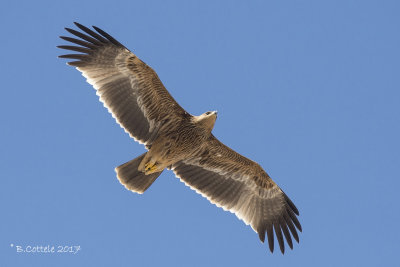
x=133 y=179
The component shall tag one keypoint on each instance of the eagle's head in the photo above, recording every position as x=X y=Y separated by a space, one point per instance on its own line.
x=206 y=120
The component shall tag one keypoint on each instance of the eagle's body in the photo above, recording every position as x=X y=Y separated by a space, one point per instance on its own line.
x=186 y=138
x=139 y=102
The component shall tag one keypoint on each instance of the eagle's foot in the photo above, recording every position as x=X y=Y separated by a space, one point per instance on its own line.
x=150 y=167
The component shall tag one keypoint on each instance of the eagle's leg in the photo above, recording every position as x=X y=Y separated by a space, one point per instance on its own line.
x=148 y=164
x=150 y=167
x=153 y=161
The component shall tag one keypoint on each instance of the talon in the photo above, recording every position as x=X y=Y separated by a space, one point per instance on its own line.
x=150 y=167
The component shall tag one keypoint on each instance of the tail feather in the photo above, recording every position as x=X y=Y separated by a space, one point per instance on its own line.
x=133 y=179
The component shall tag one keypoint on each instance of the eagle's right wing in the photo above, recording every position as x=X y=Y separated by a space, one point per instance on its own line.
x=131 y=90
x=239 y=185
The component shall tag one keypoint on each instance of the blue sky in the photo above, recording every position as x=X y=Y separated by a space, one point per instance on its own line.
x=309 y=89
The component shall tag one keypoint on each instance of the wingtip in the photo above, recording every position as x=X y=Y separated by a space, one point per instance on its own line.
x=296 y=211
x=77 y=24
x=291 y=204
x=261 y=235
x=80 y=26
x=271 y=248
x=69 y=30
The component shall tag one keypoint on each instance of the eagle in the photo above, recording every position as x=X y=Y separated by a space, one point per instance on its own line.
x=176 y=140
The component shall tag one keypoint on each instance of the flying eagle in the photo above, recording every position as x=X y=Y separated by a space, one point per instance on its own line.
x=177 y=140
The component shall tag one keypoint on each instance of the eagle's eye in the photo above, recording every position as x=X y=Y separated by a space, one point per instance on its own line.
x=208 y=113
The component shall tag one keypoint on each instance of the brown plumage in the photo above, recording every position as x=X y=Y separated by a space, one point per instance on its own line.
x=136 y=98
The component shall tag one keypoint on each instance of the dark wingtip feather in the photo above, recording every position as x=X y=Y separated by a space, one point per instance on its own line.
x=109 y=37
x=74 y=48
x=286 y=232
x=292 y=228
x=83 y=36
x=68 y=29
x=91 y=33
x=78 y=24
x=279 y=237
x=78 y=42
x=75 y=56
x=291 y=204
x=294 y=219
x=270 y=235
x=261 y=235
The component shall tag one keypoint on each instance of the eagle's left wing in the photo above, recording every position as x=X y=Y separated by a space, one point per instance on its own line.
x=128 y=88
x=239 y=185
